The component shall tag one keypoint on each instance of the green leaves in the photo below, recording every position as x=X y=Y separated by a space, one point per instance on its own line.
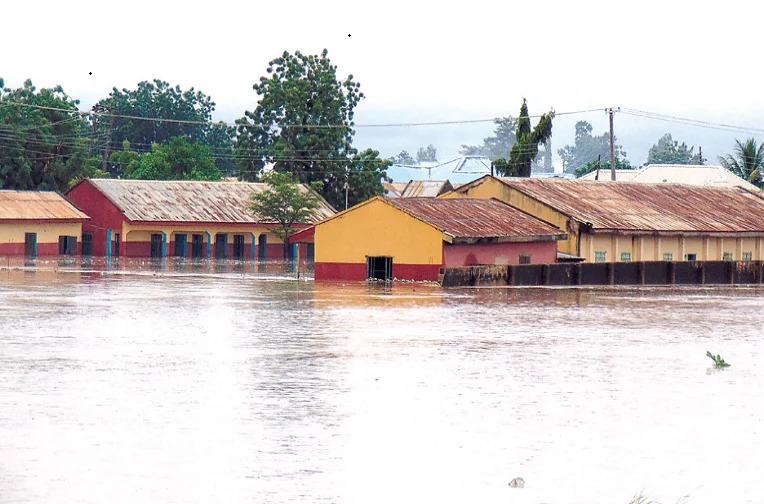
x=587 y=149
x=747 y=161
x=670 y=151
x=526 y=147
x=177 y=159
x=719 y=363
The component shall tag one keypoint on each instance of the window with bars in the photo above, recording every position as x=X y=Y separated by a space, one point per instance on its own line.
x=747 y=256
x=727 y=256
x=600 y=256
x=625 y=256
x=668 y=256
x=524 y=259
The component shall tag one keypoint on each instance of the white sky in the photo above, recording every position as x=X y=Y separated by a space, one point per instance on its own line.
x=418 y=61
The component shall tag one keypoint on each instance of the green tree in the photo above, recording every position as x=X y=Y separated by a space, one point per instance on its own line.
x=496 y=146
x=670 y=151
x=303 y=124
x=747 y=161
x=177 y=159
x=427 y=154
x=190 y=111
x=286 y=202
x=526 y=148
x=42 y=147
x=587 y=148
x=404 y=158
x=604 y=166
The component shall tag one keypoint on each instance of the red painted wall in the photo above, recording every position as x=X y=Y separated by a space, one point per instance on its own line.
x=17 y=249
x=103 y=214
x=357 y=271
x=498 y=253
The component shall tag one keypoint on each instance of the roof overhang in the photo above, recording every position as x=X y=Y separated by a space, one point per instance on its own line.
x=712 y=234
x=470 y=240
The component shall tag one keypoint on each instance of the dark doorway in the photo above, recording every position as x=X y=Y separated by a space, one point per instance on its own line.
x=117 y=245
x=156 y=245
x=87 y=244
x=30 y=244
x=197 y=246
x=311 y=252
x=238 y=247
x=67 y=245
x=379 y=268
x=181 y=245
x=221 y=243
x=262 y=246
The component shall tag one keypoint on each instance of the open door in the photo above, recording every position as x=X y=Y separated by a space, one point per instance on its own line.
x=379 y=268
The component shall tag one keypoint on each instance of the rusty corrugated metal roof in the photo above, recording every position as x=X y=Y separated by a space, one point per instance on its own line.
x=37 y=205
x=476 y=218
x=426 y=188
x=394 y=189
x=188 y=201
x=633 y=206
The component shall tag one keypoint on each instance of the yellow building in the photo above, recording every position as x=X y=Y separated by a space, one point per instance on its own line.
x=413 y=238
x=41 y=223
x=625 y=221
x=157 y=218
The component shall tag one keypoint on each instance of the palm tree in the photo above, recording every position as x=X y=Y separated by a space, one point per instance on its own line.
x=748 y=161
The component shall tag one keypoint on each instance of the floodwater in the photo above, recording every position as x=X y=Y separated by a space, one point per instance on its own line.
x=215 y=383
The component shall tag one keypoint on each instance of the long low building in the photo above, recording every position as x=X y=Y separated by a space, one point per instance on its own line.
x=413 y=238
x=152 y=218
x=39 y=223
x=629 y=221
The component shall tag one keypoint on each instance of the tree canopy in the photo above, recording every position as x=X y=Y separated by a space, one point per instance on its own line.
x=178 y=159
x=747 y=161
x=587 y=148
x=427 y=154
x=526 y=148
x=499 y=144
x=42 y=148
x=670 y=151
x=604 y=167
x=285 y=203
x=303 y=124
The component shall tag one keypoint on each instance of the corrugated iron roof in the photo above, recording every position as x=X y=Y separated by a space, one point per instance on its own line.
x=649 y=207
x=394 y=189
x=621 y=175
x=37 y=205
x=426 y=188
x=188 y=201
x=476 y=218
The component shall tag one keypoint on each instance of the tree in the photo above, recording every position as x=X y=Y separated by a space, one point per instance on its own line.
x=526 y=148
x=604 y=167
x=177 y=159
x=303 y=124
x=190 y=111
x=587 y=148
x=496 y=146
x=747 y=162
x=427 y=154
x=42 y=147
x=285 y=202
x=403 y=158
x=670 y=151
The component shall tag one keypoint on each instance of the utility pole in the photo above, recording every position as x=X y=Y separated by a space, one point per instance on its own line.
x=107 y=150
x=347 y=186
x=700 y=155
x=597 y=175
x=610 y=112
x=492 y=170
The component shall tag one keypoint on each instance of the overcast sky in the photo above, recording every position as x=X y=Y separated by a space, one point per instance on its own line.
x=419 y=61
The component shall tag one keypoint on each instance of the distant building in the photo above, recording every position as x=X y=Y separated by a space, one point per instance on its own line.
x=417 y=189
x=413 y=238
x=39 y=223
x=153 y=218
x=699 y=175
x=629 y=221
x=394 y=189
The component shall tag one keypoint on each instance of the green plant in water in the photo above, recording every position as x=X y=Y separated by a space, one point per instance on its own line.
x=718 y=361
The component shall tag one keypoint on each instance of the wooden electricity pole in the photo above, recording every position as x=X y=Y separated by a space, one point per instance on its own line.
x=610 y=112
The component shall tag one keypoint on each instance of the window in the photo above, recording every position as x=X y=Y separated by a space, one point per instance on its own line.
x=524 y=259
x=67 y=245
x=87 y=244
x=727 y=256
x=747 y=256
x=625 y=256
x=691 y=257
x=600 y=256
x=668 y=256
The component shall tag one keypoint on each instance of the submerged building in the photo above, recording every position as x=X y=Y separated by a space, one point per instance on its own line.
x=153 y=218
x=413 y=238
x=631 y=221
x=39 y=223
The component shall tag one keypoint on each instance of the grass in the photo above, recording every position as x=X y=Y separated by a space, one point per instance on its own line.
x=719 y=363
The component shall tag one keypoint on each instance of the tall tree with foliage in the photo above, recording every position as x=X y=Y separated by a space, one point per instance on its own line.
x=42 y=148
x=747 y=161
x=524 y=151
x=287 y=203
x=190 y=112
x=587 y=148
x=403 y=158
x=604 y=167
x=178 y=159
x=303 y=124
x=670 y=151
x=499 y=144
x=427 y=154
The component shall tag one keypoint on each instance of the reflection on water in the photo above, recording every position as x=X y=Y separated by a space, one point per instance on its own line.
x=216 y=382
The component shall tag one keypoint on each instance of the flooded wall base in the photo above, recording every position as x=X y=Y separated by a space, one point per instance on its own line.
x=632 y=273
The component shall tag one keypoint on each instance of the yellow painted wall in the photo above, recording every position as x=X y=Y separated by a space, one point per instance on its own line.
x=46 y=232
x=492 y=188
x=653 y=247
x=377 y=228
x=143 y=232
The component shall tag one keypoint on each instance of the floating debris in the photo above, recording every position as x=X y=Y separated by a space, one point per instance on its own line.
x=517 y=483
